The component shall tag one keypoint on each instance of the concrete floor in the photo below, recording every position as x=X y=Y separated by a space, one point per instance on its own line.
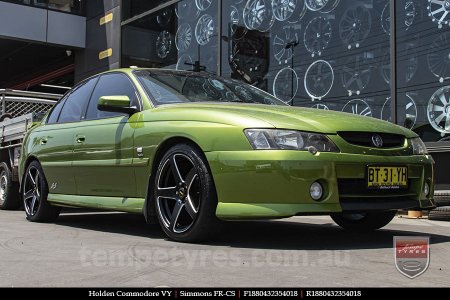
x=119 y=250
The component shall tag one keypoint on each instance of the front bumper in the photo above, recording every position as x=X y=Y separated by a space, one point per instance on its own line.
x=272 y=184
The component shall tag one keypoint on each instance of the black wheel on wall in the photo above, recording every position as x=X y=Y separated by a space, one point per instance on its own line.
x=34 y=195
x=9 y=190
x=363 y=222
x=184 y=195
x=440 y=214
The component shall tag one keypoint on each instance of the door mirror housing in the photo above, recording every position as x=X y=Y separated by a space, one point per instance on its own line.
x=120 y=104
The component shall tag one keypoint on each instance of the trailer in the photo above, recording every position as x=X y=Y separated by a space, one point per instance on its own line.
x=20 y=110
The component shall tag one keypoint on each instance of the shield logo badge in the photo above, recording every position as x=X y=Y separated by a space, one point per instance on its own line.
x=377 y=140
x=412 y=255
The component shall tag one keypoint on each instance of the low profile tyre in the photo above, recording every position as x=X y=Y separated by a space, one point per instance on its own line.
x=34 y=195
x=184 y=195
x=9 y=190
x=363 y=222
x=440 y=214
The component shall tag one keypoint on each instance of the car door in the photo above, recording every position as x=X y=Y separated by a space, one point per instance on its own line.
x=103 y=149
x=54 y=140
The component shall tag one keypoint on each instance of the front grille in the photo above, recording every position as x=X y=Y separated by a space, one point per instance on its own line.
x=355 y=196
x=378 y=204
x=358 y=187
x=365 y=139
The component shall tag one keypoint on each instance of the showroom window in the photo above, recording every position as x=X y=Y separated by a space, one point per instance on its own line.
x=327 y=54
x=182 y=36
x=322 y=54
x=133 y=8
x=423 y=68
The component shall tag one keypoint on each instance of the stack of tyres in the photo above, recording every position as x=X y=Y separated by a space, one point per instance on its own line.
x=442 y=211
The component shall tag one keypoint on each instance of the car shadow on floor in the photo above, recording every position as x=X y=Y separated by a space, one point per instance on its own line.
x=274 y=234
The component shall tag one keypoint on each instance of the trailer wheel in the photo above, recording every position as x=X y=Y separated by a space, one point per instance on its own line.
x=9 y=190
x=6 y=116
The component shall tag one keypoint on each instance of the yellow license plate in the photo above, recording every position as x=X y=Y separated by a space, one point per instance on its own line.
x=379 y=177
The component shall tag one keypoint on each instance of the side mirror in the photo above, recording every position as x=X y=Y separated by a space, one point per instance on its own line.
x=120 y=104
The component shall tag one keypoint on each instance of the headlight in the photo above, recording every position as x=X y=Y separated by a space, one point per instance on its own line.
x=273 y=139
x=418 y=147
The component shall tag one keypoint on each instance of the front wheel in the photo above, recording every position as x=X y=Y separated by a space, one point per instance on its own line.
x=184 y=195
x=9 y=190
x=34 y=195
x=363 y=222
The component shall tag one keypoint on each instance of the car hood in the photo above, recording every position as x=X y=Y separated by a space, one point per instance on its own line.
x=285 y=117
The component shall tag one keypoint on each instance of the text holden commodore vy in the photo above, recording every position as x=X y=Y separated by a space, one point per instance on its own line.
x=190 y=149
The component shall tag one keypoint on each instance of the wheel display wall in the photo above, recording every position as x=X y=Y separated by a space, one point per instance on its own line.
x=312 y=53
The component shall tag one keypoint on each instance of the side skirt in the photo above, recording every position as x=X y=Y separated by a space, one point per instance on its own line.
x=133 y=205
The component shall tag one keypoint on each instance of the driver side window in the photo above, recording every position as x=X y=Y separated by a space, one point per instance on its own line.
x=111 y=84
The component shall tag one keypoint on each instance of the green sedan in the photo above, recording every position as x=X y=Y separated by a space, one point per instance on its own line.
x=190 y=150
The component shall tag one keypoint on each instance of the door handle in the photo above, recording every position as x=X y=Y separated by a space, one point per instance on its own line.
x=80 y=139
x=44 y=141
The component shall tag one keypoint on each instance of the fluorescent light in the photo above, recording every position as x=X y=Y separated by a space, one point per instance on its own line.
x=56 y=86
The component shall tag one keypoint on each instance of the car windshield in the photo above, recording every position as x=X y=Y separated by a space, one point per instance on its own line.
x=185 y=87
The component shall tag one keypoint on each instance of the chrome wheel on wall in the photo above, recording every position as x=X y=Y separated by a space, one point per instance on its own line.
x=184 y=195
x=9 y=190
x=34 y=195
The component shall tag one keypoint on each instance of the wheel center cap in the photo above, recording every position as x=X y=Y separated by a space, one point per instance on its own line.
x=182 y=192
x=447 y=109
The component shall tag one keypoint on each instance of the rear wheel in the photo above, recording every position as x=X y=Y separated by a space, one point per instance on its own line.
x=6 y=116
x=9 y=190
x=34 y=195
x=363 y=222
x=185 y=197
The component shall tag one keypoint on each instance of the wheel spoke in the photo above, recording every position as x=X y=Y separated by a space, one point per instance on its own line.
x=189 y=206
x=175 y=170
x=36 y=179
x=33 y=204
x=28 y=195
x=190 y=178
x=31 y=177
x=175 y=215
x=168 y=193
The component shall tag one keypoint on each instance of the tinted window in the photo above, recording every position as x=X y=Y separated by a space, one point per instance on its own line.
x=76 y=102
x=114 y=84
x=53 y=117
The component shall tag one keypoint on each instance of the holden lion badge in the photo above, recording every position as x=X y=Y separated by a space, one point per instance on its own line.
x=412 y=255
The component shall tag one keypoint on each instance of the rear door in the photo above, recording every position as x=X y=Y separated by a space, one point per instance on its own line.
x=53 y=143
x=103 y=149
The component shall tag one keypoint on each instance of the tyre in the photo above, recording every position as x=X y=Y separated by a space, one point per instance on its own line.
x=34 y=196
x=9 y=190
x=184 y=195
x=442 y=200
x=5 y=117
x=363 y=222
x=440 y=214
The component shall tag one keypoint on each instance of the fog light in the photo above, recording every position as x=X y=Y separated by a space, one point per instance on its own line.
x=316 y=191
x=426 y=189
